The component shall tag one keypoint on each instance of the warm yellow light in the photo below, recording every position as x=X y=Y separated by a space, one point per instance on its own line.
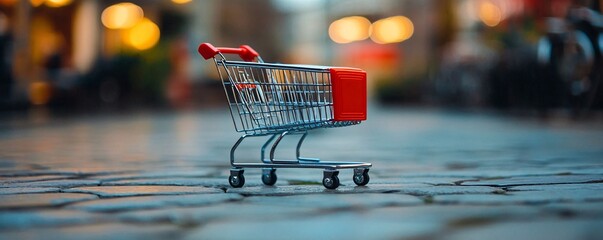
x=8 y=2
x=392 y=30
x=121 y=15
x=144 y=35
x=39 y=92
x=57 y=3
x=349 y=29
x=36 y=3
x=181 y=1
x=490 y=13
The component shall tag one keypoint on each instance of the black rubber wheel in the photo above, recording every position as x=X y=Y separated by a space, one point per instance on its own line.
x=236 y=181
x=331 y=182
x=269 y=178
x=361 y=179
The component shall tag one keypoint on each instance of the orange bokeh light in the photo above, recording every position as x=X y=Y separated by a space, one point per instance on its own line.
x=349 y=29
x=122 y=15
x=392 y=30
x=490 y=13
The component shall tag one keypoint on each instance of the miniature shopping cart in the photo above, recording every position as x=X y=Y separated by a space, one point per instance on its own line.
x=275 y=100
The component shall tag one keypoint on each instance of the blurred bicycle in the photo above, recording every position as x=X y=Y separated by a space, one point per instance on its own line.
x=572 y=52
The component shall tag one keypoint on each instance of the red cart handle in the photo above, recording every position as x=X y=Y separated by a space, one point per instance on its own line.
x=245 y=52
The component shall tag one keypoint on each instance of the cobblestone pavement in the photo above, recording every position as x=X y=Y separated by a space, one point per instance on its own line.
x=435 y=175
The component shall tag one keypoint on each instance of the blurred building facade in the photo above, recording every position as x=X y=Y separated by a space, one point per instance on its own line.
x=476 y=53
x=66 y=51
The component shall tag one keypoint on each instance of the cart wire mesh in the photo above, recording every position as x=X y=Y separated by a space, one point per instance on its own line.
x=272 y=98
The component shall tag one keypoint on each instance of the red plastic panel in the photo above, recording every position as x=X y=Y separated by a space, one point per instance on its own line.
x=349 y=94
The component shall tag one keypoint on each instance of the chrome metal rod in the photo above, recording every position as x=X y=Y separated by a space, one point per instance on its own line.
x=297 y=150
x=273 y=149
x=234 y=148
x=264 y=148
x=322 y=164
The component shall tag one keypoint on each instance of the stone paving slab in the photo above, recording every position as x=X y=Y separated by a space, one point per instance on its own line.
x=217 y=212
x=445 y=189
x=452 y=215
x=558 y=187
x=101 y=231
x=337 y=201
x=180 y=173
x=23 y=190
x=9 y=180
x=528 y=230
x=54 y=183
x=587 y=170
x=42 y=199
x=33 y=173
x=152 y=202
x=412 y=189
x=523 y=197
x=424 y=180
x=590 y=210
x=48 y=218
x=69 y=172
x=310 y=189
x=484 y=173
x=535 y=180
x=128 y=191
x=333 y=226
x=392 y=222
x=206 y=182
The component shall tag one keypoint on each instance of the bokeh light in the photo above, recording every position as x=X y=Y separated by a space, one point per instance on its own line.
x=39 y=92
x=490 y=13
x=181 y=1
x=122 y=15
x=392 y=30
x=349 y=29
x=144 y=35
x=57 y=3
x=36 y=3
x=50 y=3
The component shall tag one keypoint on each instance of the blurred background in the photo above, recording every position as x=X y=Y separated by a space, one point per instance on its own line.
x=537 y=57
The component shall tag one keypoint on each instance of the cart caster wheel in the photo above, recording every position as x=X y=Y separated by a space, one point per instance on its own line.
x=236 y=181
x=269 y=176
x=330 y=180
x=236 y=178
x=361 y=176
